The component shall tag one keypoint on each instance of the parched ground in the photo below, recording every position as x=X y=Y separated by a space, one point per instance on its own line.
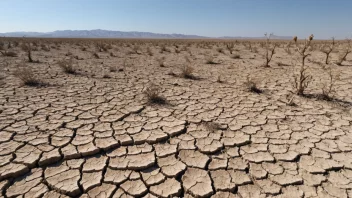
x=88 y=136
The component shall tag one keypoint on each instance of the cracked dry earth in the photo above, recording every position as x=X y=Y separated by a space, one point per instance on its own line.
x=95 y=137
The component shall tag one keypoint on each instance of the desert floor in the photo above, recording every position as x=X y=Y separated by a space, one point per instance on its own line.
x=94 y=133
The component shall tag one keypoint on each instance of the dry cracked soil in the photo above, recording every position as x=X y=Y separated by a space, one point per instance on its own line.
x=89 y=135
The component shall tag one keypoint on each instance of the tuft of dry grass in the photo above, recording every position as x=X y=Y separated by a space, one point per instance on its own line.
x=210 y=60
x=27 y=76
x=187 y=72
x=279 y=63
x=343 y=55
x=328 y=88
x=153 y=94
x=96 y=55
x=269 y=52
x=161 y=61
x=252 y=86
x=112 y=69
x=27 y=47
x=67 y=66
x=236 y=56
x=9 y=54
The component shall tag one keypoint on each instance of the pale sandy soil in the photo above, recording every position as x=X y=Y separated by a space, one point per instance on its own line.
x=88 y=136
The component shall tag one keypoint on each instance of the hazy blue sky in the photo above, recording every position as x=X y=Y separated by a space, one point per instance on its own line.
x=323 y=18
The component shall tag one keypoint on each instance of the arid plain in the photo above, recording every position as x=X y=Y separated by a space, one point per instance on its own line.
x=175 y=118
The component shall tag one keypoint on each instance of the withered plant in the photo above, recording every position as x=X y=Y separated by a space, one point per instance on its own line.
x=251 y=85
x=328 y=88
x=303 y=49
x=345 y=52
x=27 y=47
x=230 y=47
x=67 y=66
x=269 y=51
x=153 y=94
x=26 y=75
x=327 y=49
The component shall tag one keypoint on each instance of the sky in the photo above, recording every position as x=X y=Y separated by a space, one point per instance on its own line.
x=214 y=18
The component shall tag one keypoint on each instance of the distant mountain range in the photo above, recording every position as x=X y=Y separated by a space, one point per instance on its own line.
x=118 y=34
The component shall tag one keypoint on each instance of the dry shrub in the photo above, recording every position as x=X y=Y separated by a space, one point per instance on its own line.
x=220 y=50
x=236 y=56
x=187 y=72
x=164 y=49
x=106 y=76
x=303 y=50
x=269 y=52
x=112 y=69
x=68 y=66
x=27 y=76
x=230 y=47
x=95 y=55
x=149 y=51
x=252 y=85
x=9 y=54
x=153 y=95
x=328 y=88
x=282 y=64
x=327 y=49
x=161 y=61
x=28 y=48
x=301 y=80
x=344 y=54
x=210 y=60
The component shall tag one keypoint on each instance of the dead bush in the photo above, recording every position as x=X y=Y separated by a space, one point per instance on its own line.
x=27 y=76
x=161 y=61
x=230 y=47
x=328 y=88
x=68 y=66
x=153 y=94
x=9 y=54
x=96 y=55
x=301 y=80
x=187 y=72
x=149 y=51
x=236 y=56
x=113 y=69
x=327 y=49
x=251 y=85
x=210 y=60
x=220 y=50
x=345 y=52
x=28 y=48
x=269 y=51
x=303 y=49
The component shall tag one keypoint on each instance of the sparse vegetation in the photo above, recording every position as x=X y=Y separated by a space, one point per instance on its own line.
x=26 y=75
x=153 y=94
x=328 y=88
x=251 y=85
x=269 y=51
x=161 y=61
x=210 y=60
x=10 y=54
x=67 y=66
x=327 y=49
x=236 y=56
x=28 y=48
x=301 y=80
x=344 y=54
x=303 y=50
x=230 y=47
